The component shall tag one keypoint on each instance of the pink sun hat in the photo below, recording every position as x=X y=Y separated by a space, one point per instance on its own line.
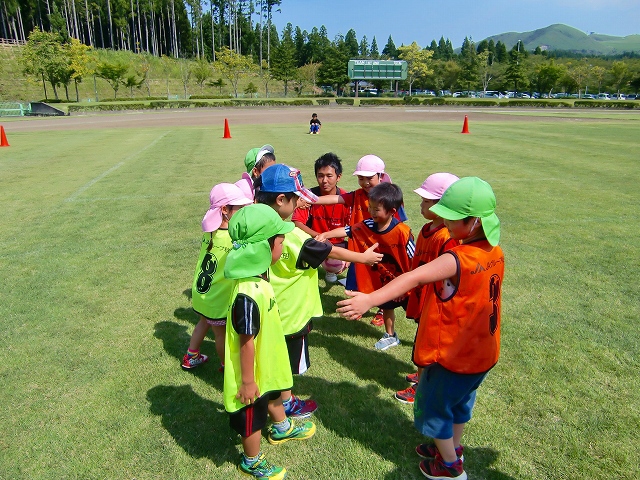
x=435 y=185
x=246 y=185
x=222 y=194
x=370 y=165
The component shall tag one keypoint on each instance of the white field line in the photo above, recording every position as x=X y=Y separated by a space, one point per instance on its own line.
x=85 y=187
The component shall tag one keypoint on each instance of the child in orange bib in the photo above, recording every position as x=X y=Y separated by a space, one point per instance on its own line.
x=458 y=339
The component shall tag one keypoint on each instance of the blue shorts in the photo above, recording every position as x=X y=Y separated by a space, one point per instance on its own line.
x=443 y=398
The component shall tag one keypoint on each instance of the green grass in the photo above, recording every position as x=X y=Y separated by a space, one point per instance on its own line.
x=98 y=242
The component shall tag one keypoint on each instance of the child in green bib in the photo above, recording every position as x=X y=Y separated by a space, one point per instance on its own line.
x=256 y=360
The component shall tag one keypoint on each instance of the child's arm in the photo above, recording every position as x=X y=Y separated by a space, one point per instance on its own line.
x=248 y=391
x=305 y=229
x=339 y=232
x=443 y=267
x=370 y=257
x=330 y=200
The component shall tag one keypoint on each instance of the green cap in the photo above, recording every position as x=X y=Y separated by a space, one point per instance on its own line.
x=470 y=197
x=250 y=159
x=250 y=232
x=254 y=155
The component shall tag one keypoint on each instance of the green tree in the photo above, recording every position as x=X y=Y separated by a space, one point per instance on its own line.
x=364 y=48
x=351 y=43
x=43 y=56
x=219 y=83
x=515 y=73
x=283 y=63
x=620 y=76
x=333 y=70
x=390 y=51
x=307 y=76
x=113 y=73
x=598 y=73
x=374 y=49
x=579 y=73
x=251 y=89
x=201 y=72
x=80 y=62
x=547 y=75
x=186 y=70
x=266 y=77
x=469 y=65
x=501 y=52
x=418 y=62
x=132 y=82
x=234 y=66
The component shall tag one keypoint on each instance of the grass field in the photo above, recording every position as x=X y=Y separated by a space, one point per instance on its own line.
x=98 y=242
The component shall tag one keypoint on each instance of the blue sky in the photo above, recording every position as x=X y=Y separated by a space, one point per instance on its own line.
x=424 y=20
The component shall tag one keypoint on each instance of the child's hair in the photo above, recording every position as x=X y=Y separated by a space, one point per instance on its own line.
x=388 y=195
x=314 y=114
x=266 y=158
x=329 y=160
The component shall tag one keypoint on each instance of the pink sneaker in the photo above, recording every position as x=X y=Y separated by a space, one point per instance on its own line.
x=299 y=408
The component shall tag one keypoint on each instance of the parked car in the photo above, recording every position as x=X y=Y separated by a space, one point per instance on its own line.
x=618 y=96
x=588 y=96
x=603 y=96
x=633 y=96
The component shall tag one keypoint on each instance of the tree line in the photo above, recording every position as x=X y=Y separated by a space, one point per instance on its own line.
x=236 y=39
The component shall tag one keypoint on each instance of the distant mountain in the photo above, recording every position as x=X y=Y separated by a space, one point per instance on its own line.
x=564 y=37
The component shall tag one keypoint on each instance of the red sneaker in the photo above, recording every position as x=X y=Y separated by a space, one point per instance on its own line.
x=192 y=362
x=378 y=320
x=412 y=378
x=407 y=395
x=429 y=451
x=437 y=470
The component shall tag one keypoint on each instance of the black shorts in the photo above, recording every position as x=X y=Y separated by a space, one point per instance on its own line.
x=391 y=305
x=253 y=417
x=298 y=348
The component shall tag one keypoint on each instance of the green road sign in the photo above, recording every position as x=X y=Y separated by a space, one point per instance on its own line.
x=377 y=70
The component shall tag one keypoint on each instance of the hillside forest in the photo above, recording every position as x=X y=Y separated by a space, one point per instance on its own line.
x=233 y=48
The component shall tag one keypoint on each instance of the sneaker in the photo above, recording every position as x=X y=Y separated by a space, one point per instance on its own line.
x=299 y=408
x=387 y=341
x=331 y=277
x=437 y=470
x=407 y=395
x=412 y=378
x=192 y=362
x=262 y=469
x=429 y=451
x=297 y=431
x=378 y=320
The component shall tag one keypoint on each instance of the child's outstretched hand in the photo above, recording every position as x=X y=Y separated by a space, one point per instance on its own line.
x=371 y=256
x=248 y=392
x=321 y=237
x=302 y=204
x=353 y=308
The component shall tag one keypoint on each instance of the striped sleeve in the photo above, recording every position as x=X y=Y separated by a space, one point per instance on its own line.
x=245 y=315
x=411 y=247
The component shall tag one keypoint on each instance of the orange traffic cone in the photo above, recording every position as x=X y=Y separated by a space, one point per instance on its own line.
x=227 y=133
x=3 y=138
x=465 y=125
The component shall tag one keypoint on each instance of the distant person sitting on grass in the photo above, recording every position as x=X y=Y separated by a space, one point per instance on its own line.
x=315 y=124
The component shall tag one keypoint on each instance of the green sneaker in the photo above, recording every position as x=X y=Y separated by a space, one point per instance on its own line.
x=262 y=469
x=300 y=431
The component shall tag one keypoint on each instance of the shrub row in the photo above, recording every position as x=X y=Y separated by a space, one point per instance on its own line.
x=381 y=101
x=344 y=101
x=617 y=104
x=108 y=107
x=323 y=101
